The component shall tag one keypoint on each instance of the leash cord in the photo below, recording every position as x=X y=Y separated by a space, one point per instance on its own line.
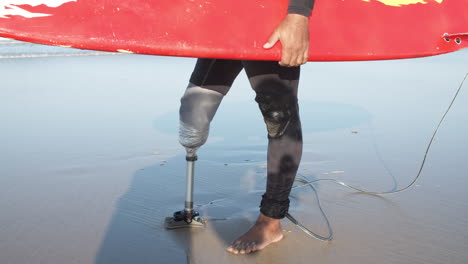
x=310 y=183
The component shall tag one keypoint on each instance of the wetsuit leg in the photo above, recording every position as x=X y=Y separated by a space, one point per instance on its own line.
x=276 y=94
x=210 y=81
x=216 y=74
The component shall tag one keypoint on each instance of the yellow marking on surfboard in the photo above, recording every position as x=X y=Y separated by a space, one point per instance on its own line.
x=403 y=2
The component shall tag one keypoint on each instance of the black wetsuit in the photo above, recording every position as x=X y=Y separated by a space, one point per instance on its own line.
x=302 y=7
x=276 y=92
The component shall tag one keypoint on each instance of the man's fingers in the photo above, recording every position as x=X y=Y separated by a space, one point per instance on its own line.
x=290 y=60
x=304 y=58
x=293 y=57
x=272 y=40
x=300 y=60
x=285 y=58
x=294 y=61
x=306 y=55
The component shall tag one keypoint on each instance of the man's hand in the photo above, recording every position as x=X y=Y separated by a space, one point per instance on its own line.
x=293 y=32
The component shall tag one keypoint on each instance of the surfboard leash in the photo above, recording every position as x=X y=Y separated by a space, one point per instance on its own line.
x=305 y=182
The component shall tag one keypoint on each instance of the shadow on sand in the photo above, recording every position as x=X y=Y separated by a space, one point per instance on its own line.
x=229 y=180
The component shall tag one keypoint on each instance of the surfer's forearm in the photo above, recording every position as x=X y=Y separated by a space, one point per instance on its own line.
x=301 y=7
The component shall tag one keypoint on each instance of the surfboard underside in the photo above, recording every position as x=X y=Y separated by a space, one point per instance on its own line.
x=340 y=30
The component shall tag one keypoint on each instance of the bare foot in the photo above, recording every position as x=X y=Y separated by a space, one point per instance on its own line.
x=265 y=231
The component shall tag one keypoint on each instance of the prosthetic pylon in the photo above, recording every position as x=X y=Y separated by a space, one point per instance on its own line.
x=187 y=217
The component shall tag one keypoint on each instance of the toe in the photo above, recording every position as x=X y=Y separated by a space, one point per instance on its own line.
x=245 y=248
x=250 y=247
x=233 y=247
x=240 y=248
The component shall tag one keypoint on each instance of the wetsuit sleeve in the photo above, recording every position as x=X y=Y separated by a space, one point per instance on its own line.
x=301 y=7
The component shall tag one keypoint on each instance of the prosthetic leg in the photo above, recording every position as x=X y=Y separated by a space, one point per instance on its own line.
x=198 y=107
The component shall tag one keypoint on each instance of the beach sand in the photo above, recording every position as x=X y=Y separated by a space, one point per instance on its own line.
x=91 y=164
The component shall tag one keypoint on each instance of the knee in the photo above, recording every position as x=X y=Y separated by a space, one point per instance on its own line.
x=280 y=112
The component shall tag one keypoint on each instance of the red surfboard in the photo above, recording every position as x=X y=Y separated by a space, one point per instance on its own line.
x=339 y=29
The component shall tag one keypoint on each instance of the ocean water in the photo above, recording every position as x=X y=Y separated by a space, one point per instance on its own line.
x=91 y=165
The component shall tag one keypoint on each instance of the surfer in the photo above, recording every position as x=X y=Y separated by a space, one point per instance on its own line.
x=276 y=86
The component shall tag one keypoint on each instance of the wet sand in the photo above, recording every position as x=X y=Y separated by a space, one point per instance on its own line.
x=91 y=165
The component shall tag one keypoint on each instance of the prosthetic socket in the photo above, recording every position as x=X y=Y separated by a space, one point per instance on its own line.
x=198 y=107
